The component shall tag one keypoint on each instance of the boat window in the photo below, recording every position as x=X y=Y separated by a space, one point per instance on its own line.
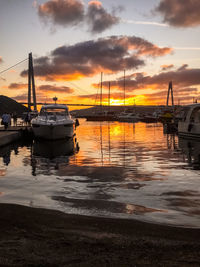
x=53 y=111
x=195 y=116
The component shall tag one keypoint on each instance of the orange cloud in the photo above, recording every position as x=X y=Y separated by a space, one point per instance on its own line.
x=18 y=86
x=167 y=67
x=109 y=55
x=96 y=3
x=55 y=89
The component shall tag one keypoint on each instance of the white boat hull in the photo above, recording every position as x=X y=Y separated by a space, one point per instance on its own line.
x=191 y=130
x=53 y=132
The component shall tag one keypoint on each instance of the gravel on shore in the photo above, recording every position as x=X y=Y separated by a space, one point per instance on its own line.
x=41 y=237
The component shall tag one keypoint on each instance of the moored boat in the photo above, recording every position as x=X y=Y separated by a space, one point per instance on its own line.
x=189 y=126
x=128 y=117
x=54 y=122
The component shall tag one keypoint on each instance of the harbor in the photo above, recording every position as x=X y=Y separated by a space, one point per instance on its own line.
x=104 y=192
x=100 y=133
x=115 y=171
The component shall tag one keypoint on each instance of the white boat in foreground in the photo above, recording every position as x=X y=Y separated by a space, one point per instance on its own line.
x=54 y=122
x=189 y=126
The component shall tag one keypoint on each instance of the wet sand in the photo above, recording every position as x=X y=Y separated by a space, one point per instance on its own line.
x=39 y=237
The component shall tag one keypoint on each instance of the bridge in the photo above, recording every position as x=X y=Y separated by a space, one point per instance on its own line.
x=40 y=103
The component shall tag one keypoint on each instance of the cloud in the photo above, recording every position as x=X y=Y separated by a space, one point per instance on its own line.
x=109 y=55
x=182 y=78
x=62 y=12
x=55 y=89
x=98 y=18
x=18 y=86
x=1 y=60
x=180 y=13
x=167 y=67
x=183 y=67
x=73 y=12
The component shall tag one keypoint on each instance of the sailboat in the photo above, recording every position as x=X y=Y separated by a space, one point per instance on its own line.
x=102 y=115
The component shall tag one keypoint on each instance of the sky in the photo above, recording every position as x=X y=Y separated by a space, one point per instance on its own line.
x=72 y=42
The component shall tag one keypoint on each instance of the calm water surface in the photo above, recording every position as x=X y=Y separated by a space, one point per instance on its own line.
x=113 y=169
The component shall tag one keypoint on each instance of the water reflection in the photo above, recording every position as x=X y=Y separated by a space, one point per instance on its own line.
x=48 y=155
x=191 y=150
x=121 y=170
x=5 y=151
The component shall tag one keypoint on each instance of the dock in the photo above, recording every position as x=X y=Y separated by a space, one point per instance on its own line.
x=13 y=133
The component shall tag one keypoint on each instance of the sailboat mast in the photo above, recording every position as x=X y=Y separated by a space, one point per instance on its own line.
x=101 y=91
x=109 y=95
x=124 y=89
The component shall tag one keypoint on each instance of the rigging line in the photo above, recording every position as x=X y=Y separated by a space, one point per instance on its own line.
x=13 y=66
x=77 y=87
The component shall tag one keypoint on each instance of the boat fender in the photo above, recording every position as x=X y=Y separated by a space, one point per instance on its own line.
x=190 y=127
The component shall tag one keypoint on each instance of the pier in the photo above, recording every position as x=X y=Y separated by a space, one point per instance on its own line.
x=14 y=133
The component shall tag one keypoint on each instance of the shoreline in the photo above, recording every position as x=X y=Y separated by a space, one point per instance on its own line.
x=42 y=237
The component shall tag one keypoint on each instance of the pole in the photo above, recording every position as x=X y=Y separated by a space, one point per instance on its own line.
x=124 y=90
x=29 y=81
x=101 y=91
x=109 y=95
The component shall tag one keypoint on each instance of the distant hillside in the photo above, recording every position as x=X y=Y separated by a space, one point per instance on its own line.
x=9 y=105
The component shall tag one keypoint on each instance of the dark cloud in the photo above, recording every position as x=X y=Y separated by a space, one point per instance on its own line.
x=56 y=89
x=183 y=67
x=180 y=13
x=18 y=86
x=62 y=12
x=110 y=55
x=40 y=98
x=98 y=18
x=73 y=12
x=184 y=78
x=167 y=67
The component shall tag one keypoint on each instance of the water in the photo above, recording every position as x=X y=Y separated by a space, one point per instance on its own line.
x=119 y=170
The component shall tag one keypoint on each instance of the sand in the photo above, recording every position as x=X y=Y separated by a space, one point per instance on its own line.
x=39 y=237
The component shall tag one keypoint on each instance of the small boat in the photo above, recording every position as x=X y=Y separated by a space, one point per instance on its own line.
x=128 y=117
x=53 y=122
x=189 y=126
x=105 y=116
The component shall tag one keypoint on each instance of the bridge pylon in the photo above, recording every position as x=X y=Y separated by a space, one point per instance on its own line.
x=31 y=83
x=170 y=89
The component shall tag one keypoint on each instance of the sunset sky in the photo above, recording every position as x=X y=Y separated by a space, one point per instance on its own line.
x=73 y=41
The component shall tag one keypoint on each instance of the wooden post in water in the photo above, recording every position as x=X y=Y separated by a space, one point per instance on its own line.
x=31 y=83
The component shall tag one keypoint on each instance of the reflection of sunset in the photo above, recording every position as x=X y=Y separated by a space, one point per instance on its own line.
x=108 y=143
x=2 y=172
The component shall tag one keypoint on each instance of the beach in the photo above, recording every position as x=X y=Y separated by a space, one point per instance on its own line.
x=42 y=237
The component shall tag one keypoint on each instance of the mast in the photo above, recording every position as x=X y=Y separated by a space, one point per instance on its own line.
x=101 y=92
x=124 y=89
x=109 y=95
